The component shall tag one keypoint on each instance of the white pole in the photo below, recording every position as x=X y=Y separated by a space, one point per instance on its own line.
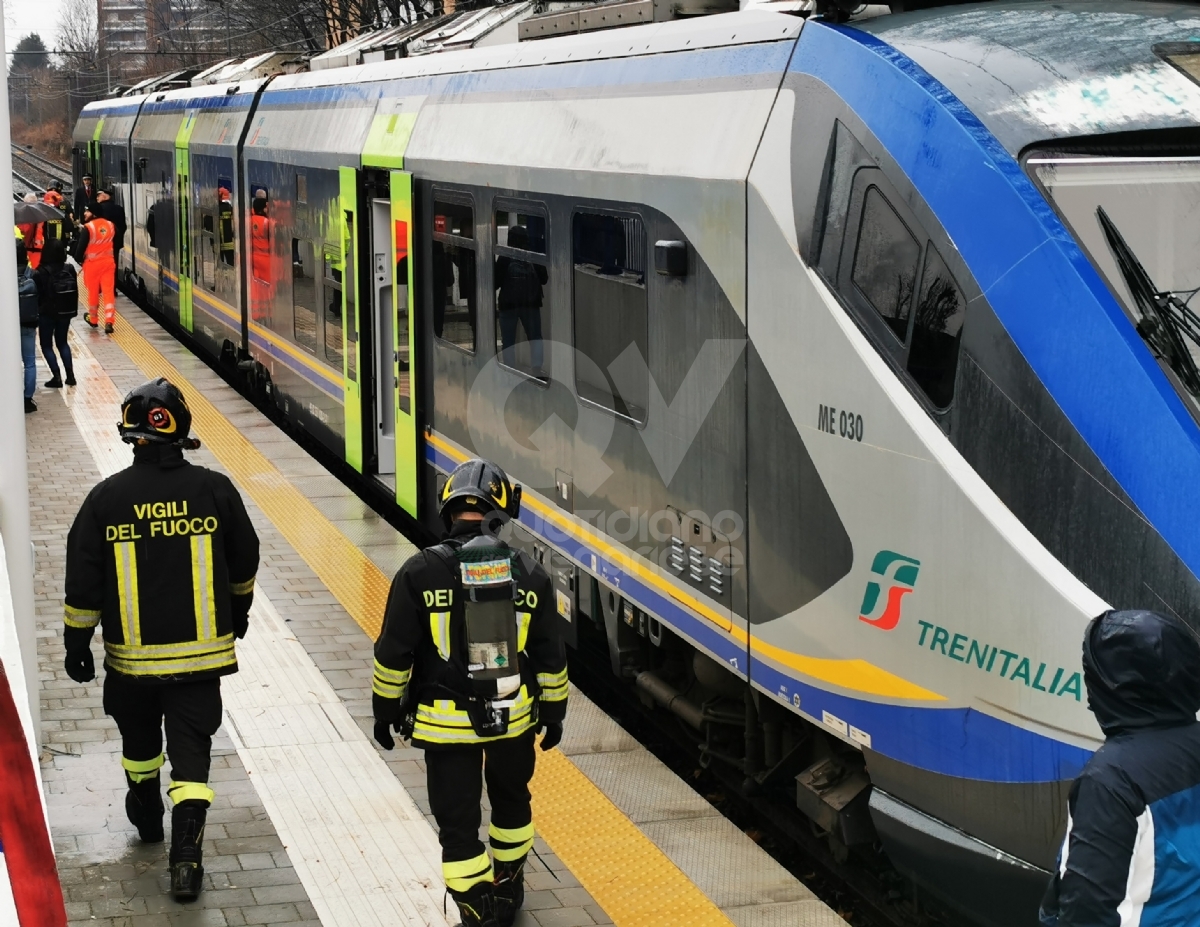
x=14 y=484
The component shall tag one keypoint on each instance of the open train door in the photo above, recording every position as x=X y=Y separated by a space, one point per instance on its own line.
x=405 y=354
x=351 y=359
x=389 y=199
x=183 y=218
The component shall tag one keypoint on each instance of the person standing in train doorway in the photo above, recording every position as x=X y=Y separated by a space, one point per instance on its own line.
x=94 y=251
x=470 y=665
x=1131 y=855
x=262 y=280
x=162 y=556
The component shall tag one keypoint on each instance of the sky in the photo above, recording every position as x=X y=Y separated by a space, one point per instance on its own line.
x=22 y=17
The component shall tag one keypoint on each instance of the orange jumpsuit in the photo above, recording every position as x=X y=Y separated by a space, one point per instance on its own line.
x=262 y=282
x=100 y=270
x=35 y=237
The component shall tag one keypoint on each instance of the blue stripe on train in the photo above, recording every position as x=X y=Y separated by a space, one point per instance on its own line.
x=1042 y=288
x=738 y=61
x=985 y=748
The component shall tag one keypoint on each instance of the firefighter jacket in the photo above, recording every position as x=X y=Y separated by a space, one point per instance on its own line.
x=162 y=556
x=421 y=655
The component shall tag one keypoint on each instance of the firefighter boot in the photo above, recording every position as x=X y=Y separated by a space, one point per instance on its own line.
x=144 y=807
x=477 y=905
x=510 y=891
x=187 y=834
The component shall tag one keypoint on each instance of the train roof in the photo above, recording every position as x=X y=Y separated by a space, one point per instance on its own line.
x=1037 y=71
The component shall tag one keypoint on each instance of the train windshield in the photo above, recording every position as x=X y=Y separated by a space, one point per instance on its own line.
x=1138 y=219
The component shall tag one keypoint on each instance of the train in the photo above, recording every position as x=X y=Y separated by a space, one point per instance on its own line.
x=847 y=364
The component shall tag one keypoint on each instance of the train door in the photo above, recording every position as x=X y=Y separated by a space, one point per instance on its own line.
x=395 y=439
x=183 y=214
x=407 y=438
x=352 y=362
x=383 y=338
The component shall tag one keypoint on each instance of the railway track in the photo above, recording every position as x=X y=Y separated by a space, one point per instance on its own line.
x=32 y=173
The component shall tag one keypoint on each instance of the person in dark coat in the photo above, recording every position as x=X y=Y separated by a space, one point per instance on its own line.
x=58 y=303
x=85 y=197
x=1131 y=854
x=520 y=301
x=108 y=208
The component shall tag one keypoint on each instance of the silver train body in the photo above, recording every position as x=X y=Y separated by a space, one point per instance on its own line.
x=824 y=371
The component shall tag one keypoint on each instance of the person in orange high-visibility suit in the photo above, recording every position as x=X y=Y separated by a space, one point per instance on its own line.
x=262 y=280
x=94 y=252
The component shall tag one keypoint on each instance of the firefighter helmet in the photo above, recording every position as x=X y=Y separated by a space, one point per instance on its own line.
x=156 y=413
x=479 y=486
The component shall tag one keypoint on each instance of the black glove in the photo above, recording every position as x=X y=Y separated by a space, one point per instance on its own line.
x=553 y=734
x=383 y=735
x=241 y=614
x=80 y=665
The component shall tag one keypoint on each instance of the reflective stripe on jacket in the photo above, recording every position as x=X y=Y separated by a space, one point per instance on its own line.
x=155 y=557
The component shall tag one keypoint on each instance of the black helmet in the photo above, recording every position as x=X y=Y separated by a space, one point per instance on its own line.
x=56 y=185
x=479 y=486
x=156 y=413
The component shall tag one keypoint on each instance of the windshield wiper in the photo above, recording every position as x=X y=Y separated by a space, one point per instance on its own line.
x=1165 y=320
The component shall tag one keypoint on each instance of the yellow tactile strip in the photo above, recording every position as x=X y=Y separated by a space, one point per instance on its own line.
x=628 y=876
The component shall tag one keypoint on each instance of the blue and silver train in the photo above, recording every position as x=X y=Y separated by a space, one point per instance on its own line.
x=849 y=368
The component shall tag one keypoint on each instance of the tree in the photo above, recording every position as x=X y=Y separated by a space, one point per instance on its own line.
x=30 y=54
x=78 y=40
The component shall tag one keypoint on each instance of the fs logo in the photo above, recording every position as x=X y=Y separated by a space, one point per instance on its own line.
x=897 y=574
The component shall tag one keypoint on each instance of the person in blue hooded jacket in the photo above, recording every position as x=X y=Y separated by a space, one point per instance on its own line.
x=1131 y=854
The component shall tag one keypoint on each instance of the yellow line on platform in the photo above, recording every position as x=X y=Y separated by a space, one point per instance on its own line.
x=628 y=876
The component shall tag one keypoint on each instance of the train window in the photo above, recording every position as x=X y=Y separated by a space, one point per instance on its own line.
x=610 y=311
x=529 y=229
x=885 y=262
x=332 y=302
x=457 y=219
x=301 y=188
x=124 y=171
x=937 y=329
x=454 y=315
x=304 y=294
x=885 y=267
x=521 y=279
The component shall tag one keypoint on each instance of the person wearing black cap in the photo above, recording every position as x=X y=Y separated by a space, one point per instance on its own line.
x=85 y=197
x=470 y=664
x=108 y=208
x=1131 y=854
x=162 y=556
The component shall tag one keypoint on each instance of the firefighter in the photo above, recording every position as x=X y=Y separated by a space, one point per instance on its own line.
x=470 y=665
x=54 y=195
x=34 y=236
x=162 y=556
x=94 y=251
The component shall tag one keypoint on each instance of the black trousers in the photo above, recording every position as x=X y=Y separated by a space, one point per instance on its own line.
x=190 y=712
x=53 y=332
x=456 y=788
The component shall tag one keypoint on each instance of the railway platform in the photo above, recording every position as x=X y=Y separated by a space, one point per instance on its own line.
x=312 y=824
